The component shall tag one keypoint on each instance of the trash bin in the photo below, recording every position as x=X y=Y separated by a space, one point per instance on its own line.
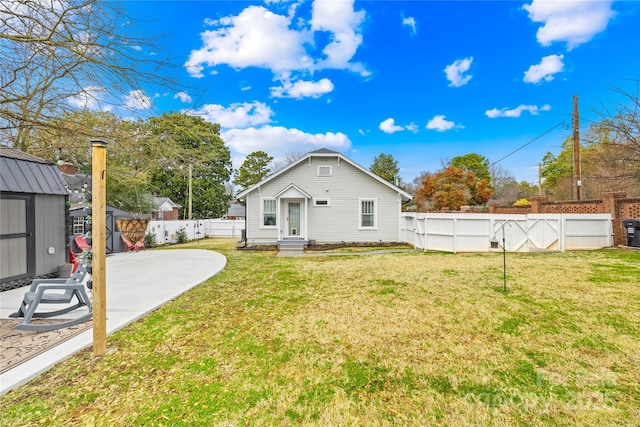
x=632 y=227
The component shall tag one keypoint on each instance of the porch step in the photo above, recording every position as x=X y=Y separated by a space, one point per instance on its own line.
x=291 y=247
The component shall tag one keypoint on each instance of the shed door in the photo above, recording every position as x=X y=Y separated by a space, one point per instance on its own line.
x=17 y=244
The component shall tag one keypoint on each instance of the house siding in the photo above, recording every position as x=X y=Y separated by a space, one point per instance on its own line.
x=340 y=220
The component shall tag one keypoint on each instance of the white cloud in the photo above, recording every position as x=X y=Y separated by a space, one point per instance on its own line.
x=412 y=127
x=516 y=112
x=137 y=100
x=183 y=97
x=89 y=98
x=302 y=89
x=258 y=37
x=238 y=115
x=411 y=23
x=545 y=70
x=389 y=126
x=573 y=22
x=456 y=70
x=440 y=123
x=342 y=22
x=278 y=140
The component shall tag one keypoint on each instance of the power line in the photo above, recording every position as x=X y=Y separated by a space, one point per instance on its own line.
x=528 y=143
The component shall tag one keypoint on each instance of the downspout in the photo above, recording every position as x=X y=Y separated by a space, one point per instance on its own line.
x=245 y=227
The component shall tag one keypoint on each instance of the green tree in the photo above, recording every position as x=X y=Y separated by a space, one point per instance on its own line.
x=557 y=171
x=386 y=167
x=475 y=163
x=130 y=156
x=253 y=169
x=527 y=190
x=556 y=167
x=197 y=143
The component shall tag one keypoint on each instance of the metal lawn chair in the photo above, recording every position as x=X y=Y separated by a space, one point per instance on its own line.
x=47 y=291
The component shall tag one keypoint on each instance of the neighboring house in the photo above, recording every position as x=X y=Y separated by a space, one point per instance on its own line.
x=165 y=209
x=236 y=212
x=325 y=197
x=33 y=216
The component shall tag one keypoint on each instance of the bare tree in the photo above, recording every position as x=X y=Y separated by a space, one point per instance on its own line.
x=615 y=144
x=505 y=186
x=288 y=158
x=59 y=56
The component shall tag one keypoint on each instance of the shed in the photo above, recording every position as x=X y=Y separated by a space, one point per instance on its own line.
x=33 y=212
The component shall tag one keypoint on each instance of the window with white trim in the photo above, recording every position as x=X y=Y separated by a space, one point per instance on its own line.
x=324 y=170
x=269 y=212
x=368 y=217
x=78 y=225
x=321 y=202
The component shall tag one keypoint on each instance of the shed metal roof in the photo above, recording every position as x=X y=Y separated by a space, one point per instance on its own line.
x=23 y=173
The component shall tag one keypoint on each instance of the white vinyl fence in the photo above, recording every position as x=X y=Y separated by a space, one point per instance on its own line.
x=451 y=232
x=165 y=231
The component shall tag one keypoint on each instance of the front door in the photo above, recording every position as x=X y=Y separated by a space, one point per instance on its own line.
x=293 y=219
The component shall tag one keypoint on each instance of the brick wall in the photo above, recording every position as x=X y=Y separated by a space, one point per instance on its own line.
x=615 y=204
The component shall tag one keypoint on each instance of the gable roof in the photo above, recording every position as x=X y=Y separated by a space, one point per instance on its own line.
x=159 y=201
x=323 y=152
x=293 y=191
x=21 y=172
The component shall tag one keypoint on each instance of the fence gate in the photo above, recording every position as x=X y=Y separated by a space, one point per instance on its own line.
x=544 y=233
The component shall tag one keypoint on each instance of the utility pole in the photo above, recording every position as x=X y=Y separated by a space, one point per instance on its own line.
x=539 y=179
x=190 y=190
x=576 y=148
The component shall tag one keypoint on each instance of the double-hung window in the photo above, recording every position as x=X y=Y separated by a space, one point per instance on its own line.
x=368 y=217
x=268 y=212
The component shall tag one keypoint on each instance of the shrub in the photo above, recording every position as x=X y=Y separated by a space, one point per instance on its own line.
x=522 y=202
x=150 y=240
x=181 y=236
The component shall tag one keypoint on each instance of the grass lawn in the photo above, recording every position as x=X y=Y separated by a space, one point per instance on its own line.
x=383 y=339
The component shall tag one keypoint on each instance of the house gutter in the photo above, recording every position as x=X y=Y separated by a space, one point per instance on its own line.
x=246 y=240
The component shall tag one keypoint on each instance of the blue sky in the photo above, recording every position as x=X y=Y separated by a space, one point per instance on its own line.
x=424 y=81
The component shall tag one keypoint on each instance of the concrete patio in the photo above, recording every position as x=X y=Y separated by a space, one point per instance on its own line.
x=137 y=284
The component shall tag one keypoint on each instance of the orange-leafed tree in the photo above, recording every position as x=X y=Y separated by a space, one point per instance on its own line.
x=450 y=189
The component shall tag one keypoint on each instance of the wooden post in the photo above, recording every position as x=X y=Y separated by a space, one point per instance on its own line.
x=99 y=244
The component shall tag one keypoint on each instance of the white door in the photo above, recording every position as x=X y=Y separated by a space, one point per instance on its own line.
x=293 y=219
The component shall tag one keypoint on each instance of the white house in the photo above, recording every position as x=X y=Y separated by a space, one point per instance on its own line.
x=325 y=197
